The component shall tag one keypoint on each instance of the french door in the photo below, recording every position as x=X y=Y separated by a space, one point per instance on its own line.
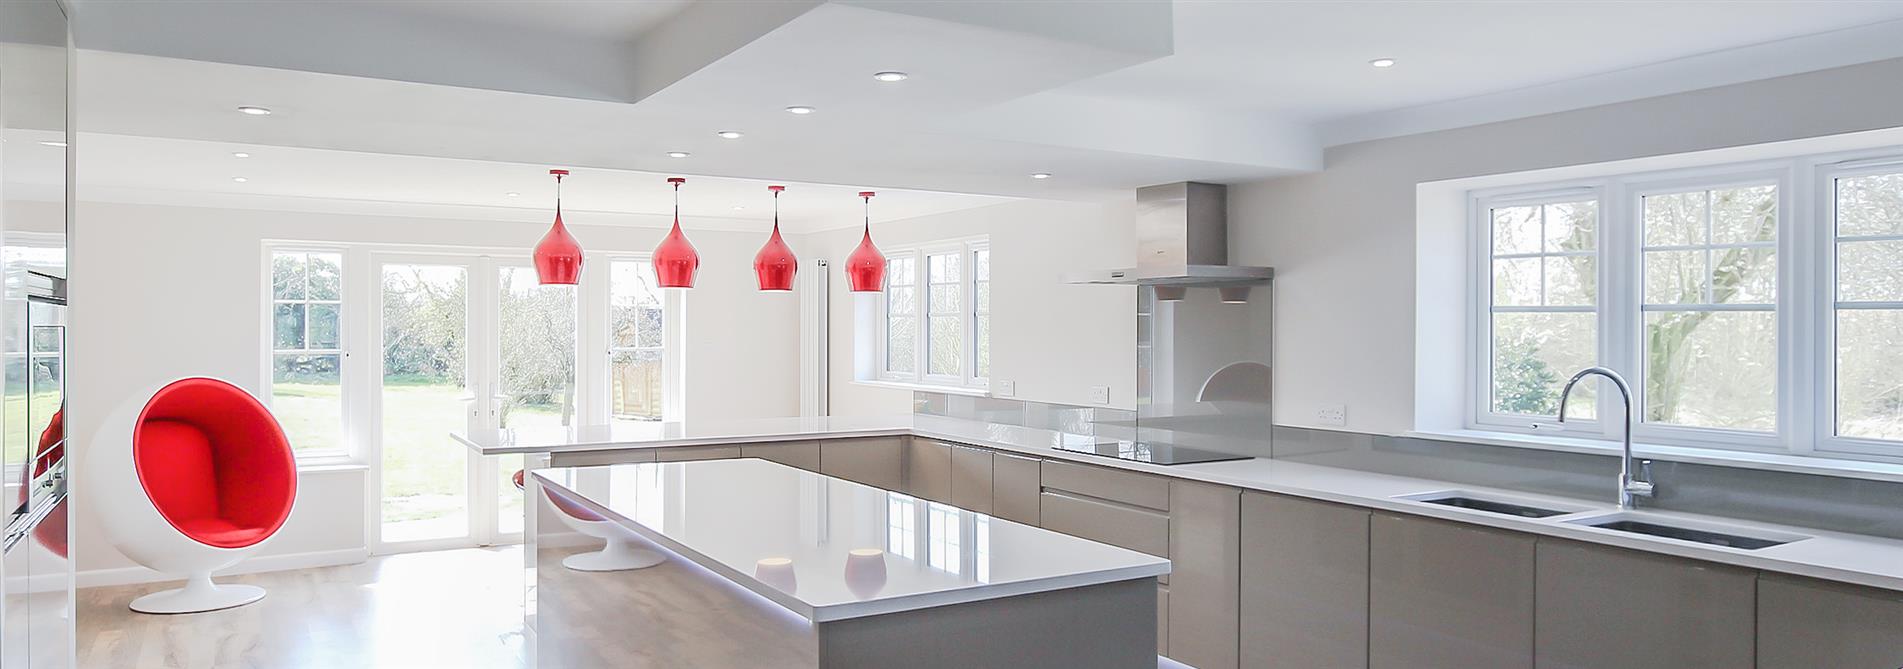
x=466 y=343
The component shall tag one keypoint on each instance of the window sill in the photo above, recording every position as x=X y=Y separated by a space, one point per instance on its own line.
x=1778 y=462
x=925 y=387
x=328 y=466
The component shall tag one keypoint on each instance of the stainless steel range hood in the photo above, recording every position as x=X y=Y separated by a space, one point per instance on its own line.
x=1182 y=240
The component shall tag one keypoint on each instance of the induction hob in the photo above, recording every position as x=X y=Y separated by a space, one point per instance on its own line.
x=1156 y=453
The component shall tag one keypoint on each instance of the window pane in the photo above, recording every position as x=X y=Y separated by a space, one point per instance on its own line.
x=946 y=346
x=900 y=272
x=1534 y=354
x=307 y=398
x=1516 y=230
x=1744 y=275
x=634 y=305
x=901 y=339
x=1743 y=215
x=1676 y=219
x=1869 y=387
x=981 y=264
x=1572 y=226
x=1516 y=282
x=1870 y=205
x=943 y=268
x=634 y=385
x=1870 y=271
x=945 y=298
x=1711 y=369
x=984 y=346
x=983 y=289
x=287 y=326
x=326 y=276
x=1571 y=281
x=902 y=300
x=537 y=337
x=1675 y=277
x=287 y=276
x=323 y=326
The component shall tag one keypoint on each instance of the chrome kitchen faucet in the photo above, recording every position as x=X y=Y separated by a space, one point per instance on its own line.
x=1629 y=486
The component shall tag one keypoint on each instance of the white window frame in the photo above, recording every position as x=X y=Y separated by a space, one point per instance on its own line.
x=1806 y=302
x=596 y=323
x=350 y=311
x=967 y=379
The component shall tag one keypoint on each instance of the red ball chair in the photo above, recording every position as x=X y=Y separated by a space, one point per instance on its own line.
x=191 y=478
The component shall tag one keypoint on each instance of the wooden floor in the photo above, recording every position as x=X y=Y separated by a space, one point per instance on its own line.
x=454 y=609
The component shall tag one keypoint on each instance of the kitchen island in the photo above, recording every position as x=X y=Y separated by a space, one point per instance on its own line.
x=752 y=563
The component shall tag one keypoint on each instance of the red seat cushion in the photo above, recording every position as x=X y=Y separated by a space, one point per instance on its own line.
x=214 y=462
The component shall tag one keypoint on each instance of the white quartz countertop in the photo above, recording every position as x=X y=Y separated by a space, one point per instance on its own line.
x=831 y=549
x=1835 y=556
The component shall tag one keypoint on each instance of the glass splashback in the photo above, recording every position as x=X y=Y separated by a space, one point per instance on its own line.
x=1204 y=367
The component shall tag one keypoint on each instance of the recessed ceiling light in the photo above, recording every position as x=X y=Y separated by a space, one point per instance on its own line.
x=1382 y=62
x=729 y=134
x=678 y=154
x=254 y=111
x=1041 y=175
x=53 y=143
x=891 y=76
x=739 y=207
x=239 y=179
x=800 y=109
x=512 y=194
x=240 y=154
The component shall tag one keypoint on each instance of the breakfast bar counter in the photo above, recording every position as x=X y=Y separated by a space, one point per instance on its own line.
x=751 y=563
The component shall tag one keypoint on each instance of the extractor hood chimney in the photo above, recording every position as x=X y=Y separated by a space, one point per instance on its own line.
x=1182 y=240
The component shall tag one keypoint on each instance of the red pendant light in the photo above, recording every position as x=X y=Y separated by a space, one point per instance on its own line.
x=558 y=255
x=675 y=261
x=865 y=268
x=775 y=264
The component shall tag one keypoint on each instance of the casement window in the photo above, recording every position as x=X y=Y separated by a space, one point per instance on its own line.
x=307 y=348
x=1752 y=307
x=934 y=319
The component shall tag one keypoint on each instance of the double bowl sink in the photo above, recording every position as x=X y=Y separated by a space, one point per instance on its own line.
x=1618 y=521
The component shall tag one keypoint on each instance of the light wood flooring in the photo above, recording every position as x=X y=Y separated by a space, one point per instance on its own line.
x=457 y=609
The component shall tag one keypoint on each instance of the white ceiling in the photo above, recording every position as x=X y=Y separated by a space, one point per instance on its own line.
x=1107 y=95
x=148 y=170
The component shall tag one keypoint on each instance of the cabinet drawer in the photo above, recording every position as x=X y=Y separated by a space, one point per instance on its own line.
x=688 y=453
x=1131 y=488
x=1129 y=527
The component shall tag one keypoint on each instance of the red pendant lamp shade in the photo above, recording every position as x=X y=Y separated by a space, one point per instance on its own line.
x=775 y=264
x=558 y=255
x=676 y=263
x=865 y=268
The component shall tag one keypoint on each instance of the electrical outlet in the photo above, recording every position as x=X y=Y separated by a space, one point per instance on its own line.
x=1100 y=394
x=1006 y=388
x=1332 y=414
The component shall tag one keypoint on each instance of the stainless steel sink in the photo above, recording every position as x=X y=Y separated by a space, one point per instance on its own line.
x=1714 y=535
x=1500 y=504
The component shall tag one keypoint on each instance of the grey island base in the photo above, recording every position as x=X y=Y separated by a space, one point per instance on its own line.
x=748 y=563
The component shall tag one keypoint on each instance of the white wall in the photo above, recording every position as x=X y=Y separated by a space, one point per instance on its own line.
x=1053 y=339
x=163 y=292
x=1342 y=240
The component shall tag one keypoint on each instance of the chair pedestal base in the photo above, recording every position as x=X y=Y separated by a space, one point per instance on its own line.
x=199 y=594
x=618 y=555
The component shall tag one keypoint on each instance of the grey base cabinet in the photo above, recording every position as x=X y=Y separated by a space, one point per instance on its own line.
x=1808 y=624
x=1205 y=574
x=1445 y=594
x=1304 y=583
x=877 y=462
x=691 y=453
x=971 y=478
x=1609 y=607
x=928 y=469
x=1015 y=485
x=801 y=454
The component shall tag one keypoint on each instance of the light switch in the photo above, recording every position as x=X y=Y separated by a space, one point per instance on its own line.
x=1100 y=394
x=1005 y=388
